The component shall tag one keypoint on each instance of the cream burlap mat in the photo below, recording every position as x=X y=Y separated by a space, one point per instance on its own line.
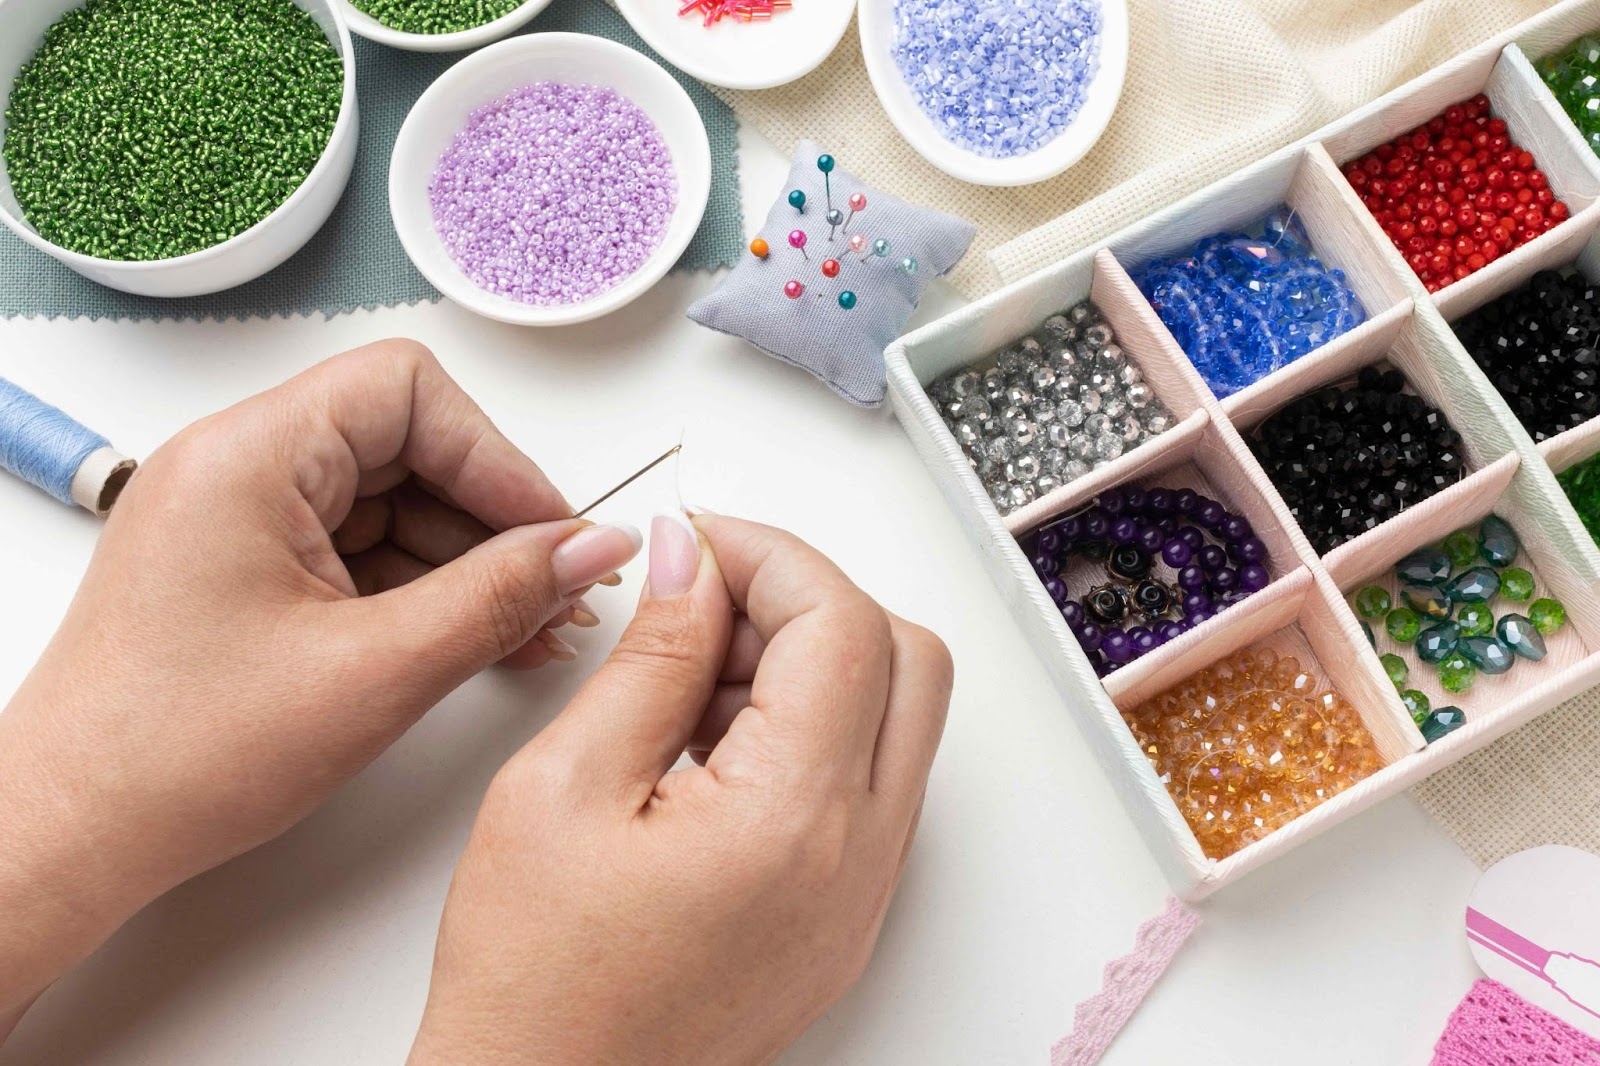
x=1212 y=85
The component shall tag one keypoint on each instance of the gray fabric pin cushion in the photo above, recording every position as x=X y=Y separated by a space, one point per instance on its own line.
x=842 y=347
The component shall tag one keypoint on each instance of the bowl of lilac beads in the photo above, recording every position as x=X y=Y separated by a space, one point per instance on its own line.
x=997 y=92
x=549 y=179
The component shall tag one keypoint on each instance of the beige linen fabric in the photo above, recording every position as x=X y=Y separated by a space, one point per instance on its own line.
x=1212 y=85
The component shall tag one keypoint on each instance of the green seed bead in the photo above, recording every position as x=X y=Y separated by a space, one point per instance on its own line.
x=1417 y=704
x=1372 y=602
x=436 y=16
x=1475 y=620
x=1547 y=615
x=1516 y=584
x=1461 y=547
x=1396 y=668
x=1456 y=674
x=1403 y=625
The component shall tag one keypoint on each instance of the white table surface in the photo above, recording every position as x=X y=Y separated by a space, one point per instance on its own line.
x=1027 y=875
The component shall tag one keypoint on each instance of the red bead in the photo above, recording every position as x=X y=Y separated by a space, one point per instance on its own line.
x=1537 y=179
x=1558 y=211
x=830 y=268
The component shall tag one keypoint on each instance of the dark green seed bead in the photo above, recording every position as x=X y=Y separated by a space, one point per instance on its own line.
x=436 y=16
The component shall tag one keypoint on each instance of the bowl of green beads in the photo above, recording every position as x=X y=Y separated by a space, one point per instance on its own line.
x=173 y=147
x=438 y=25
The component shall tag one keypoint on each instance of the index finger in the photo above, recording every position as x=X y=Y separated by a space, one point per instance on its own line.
x=819 y=693
x=392 y=403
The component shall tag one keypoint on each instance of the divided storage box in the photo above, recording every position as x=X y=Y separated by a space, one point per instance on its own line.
x=1304 y=611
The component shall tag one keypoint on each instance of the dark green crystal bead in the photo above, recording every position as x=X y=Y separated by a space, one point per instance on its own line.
x=1475 y=620
x=1516 y=584
x=1498 y=541
x=1403 y=625
x=1396 y=668
x=1521 y=636
x=1429 y=603
x=1478 y=585
x=1461 y=547
x=1456 y=674
x=1489 y=655
x=1366 y=631
x=1437 y=642
x=1416 y=703
x=1441 y=722
x=1372 y=602
x=1547 y=615
x=1430 y=567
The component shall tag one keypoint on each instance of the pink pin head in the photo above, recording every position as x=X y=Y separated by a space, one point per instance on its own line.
x=858 y=202
x=857 y=242
x=793 y=289
x=797 y=238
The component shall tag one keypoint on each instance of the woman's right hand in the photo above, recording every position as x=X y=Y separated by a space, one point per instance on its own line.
x=610 y=909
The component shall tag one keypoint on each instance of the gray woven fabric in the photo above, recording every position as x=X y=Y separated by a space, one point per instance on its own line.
x=842 y=348
x=356 y=259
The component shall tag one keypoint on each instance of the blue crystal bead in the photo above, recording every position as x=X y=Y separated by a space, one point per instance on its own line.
x=1435 y=643
x=1427 y=602
x=1478 y=585
x=1428 y=567
x=1488 y=654
x=1442 y=721
x=1498 y=542
x=1519 y=634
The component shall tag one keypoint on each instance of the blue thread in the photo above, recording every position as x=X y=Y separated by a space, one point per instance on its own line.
x=41 y=444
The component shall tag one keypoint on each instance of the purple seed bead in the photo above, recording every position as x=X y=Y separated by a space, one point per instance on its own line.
x=1057 y=590
x=1191 y=578
x=1176 y=553
x=1186 y=501
x=1137 y=499
x=1225 y=580
x=1112 y=501
x=1144 y=641
x=1254 y=577
x=1049 y=542
x=1192 y=537
x=553 y=193
x=1151 y=538
x=1251 y=550
x=1090 y=636
x=1212 y=558
x=1124 y=530
x=1195 y=601
x=1117 y=648
x=1046 y=565
x=1096 y=524
x=1236 y=528
x=1072 y=611
x=1169 y=631
x=1161 y=501
x=1210 y=514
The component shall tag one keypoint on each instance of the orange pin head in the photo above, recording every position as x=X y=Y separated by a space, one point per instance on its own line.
x=758 y=248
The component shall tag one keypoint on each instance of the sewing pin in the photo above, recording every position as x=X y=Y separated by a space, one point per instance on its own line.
x=797 y=239
x=797 y=200
x=835 y=220
x=880 y=248
x=759 y=249
x=635 y=476
x=847 y=299
x=857 y=242
x=825 y=164
x=792 y=289
x=858 y=204
x=830 y=268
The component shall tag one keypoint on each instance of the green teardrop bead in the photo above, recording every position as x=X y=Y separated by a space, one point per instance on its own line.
x=1478 y=585
x=1429 y=603
x=1521 y=636
x=1441 y=722
x=1498 y=541
x=1430 y=566
x=1435 y=643
x=1487 y=654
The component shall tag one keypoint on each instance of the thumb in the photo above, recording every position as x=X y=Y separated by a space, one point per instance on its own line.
x=476 y=609
x=633 y=718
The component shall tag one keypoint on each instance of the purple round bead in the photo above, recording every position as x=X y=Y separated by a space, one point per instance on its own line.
x=1151 y=539
x=1137 y=499
x=1112 y=501
x=1225 y=579
x=1117 y=648
x=1251 y=550
x=1143 y=640
x=1236 y=528
x=1124 y=530
x=1169 y=630
x=1049 y=542
x=1046 y=564
x=1191 y=578
x=1192 y=537
x=1072 y=611
x=1186 y=500
x=1176 y=553
x=1195 y=601
x=1070 y=528
x=1253 y=577
x=1057 y=590
x=1091 y=636
x=1161 y=501
x=1096 y=524
x=1210 y=514
x=1212 y=558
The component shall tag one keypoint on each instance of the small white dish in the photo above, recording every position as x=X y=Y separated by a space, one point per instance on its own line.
x=742 y=55
x=364 y=25
x=235 y=261
x=877 y=49
x=483 y=77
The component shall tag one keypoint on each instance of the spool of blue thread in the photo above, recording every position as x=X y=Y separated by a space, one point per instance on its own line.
x=47 y=447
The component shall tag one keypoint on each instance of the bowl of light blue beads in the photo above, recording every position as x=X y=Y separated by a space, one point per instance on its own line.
x=997 y=92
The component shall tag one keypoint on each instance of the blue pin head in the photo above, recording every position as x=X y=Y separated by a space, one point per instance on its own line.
x=797 y=200
x=825 y=163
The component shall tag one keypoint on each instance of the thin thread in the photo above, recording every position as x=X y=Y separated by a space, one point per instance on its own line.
x=1127 y=980
x=42 y=445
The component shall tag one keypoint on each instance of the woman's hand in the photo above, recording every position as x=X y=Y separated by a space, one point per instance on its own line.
x=281 y=591
x=611 y=910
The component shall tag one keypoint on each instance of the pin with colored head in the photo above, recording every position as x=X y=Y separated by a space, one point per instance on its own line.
x=759 y=249
x=792 y=289
x=880 y=248
x=857 y=242
x=908 y=266
x=797 y=200
x=797 y=239
x=847 y=299
x=835 y=219
x=858 y=204
x=825 y=164
x=830 y=268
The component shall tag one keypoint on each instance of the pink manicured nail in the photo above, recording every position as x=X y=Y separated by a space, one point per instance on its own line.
x=674 y=555
x=591 y=553
x=560 y=650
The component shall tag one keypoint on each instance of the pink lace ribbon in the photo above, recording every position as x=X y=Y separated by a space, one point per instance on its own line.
x=1493 y=1026
x=1097 y=1020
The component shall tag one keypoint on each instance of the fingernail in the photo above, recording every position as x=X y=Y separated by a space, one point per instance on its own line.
x=591 y=553
x=674 y=555
x=695 y=510
x=610 y=580
x=559 y=649
x=583 y=615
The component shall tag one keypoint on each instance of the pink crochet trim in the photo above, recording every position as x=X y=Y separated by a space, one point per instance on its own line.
x=1098 y=1019
x=1493 y=1026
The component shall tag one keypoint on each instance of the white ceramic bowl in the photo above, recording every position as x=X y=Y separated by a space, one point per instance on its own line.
x=742 y=55
x=234 y=261
x=572 y=58
x=877 y=44
x=364 y=25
